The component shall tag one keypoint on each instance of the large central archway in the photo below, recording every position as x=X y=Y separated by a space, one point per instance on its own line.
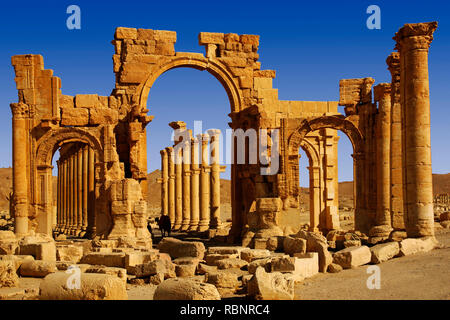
x=199 y=62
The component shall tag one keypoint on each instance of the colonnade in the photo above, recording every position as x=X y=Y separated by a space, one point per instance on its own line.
x=190 y=188
x=75 y=191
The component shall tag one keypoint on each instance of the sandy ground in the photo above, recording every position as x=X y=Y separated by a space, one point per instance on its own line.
x=420 y=276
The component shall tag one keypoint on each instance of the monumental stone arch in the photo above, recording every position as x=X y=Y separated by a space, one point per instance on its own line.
x=102 y=170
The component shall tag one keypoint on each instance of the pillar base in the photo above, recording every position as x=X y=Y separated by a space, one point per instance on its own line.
x=176 y=227
x=193 y=226
x=184 y=227
x=203 y=226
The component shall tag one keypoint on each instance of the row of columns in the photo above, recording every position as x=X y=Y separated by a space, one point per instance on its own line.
x=190 y=189
x=75 y=192
x=404 y=176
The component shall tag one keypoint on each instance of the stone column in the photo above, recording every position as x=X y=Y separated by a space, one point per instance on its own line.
x=382 y=94
x=63 y=196
x=178 y=189
x=215 y=178
x=91 y=229
x=205 y=198
x=195 y=188
x=396 y=153
x=164 y=182
x=58 y=195
x=314 y=198
x=79 y=191
x=66 y=195
x=171 y=185
x=20 y=182
x=71 y=197
x=413 y=42
x=85 y=177
x=186 y=186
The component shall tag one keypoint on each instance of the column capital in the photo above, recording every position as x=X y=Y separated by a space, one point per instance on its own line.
x=415 y=36
x=20 y=110
x=163 y=152
x=203 y=137
x=381 y=90
x=393 y=62
x=178 y=125
x=213 y=133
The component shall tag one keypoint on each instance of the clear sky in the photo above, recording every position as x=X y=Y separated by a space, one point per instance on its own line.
x=311 y=45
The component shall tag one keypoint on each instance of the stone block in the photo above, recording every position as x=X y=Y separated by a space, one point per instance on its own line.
x=116 y=259
x=37 y=268
x=250 y=255
x=211 y=38
x=294 y=245
x=385 y=251
x=306 y=264
x=334 y=268
x=177 y=248
x=17 y=259
x=103 y=116
x=225 y=282
x=185 y=270
x=249 y=39
x=74 y=117
x=156 y=266
x=92 y=287
x=121 y=273
x=135 y=258
x=145 y=34
x=86 y=101
x=185 y=289
x=317 y=243
x=69 y=253
x=352 y=257
x=203 y=268
x=8 y=275
x=231 y=263
x=225 y=250
x=125 y=33
x=40 y=251
x=265 y=263
x=412 y=246
x=165 y=36
x=212 y=259
x=156 y=279
x=270 y=286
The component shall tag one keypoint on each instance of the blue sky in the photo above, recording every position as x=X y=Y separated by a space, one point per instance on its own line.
x=311 y=45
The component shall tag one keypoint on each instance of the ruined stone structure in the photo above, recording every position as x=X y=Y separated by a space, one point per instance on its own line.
x=102 y=141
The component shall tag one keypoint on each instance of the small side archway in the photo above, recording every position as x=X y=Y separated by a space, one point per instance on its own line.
x=41 y=184
x=298 y=140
